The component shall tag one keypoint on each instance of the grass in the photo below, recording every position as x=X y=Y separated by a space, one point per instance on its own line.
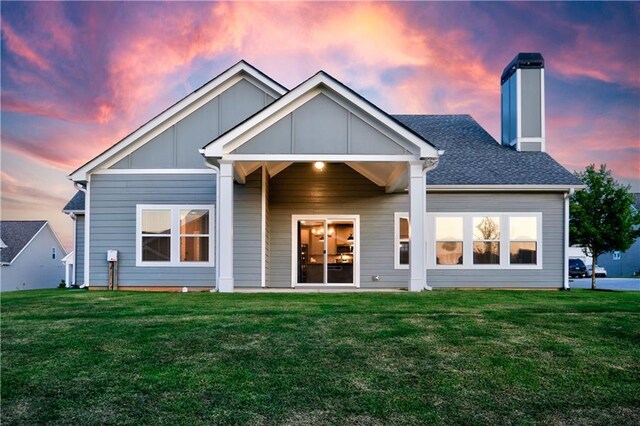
x=472 y=357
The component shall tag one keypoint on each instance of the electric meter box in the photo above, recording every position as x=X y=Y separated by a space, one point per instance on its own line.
x=112 y=255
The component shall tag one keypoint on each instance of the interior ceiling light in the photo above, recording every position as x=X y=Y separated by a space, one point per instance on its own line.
x=319 y=165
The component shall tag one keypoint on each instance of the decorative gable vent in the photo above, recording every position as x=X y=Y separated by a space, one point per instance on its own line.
x=522 y=87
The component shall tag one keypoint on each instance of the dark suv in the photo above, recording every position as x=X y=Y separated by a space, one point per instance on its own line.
x=577 y=268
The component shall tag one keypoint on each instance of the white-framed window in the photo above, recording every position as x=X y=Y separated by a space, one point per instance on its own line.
x=401 y=240
x=449 y=234
x=484 y=240
x=174 y=235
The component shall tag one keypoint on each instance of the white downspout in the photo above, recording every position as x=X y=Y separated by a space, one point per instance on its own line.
x=217 y=239
x=424 y=179
x=567 y=195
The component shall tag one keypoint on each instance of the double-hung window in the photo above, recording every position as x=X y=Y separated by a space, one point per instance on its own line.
x=401 y=240
x=523 y=244
x=449 y=240
x=486 y=240
x=174 y=235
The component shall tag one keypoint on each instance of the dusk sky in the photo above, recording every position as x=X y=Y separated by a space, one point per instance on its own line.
x=77 y=77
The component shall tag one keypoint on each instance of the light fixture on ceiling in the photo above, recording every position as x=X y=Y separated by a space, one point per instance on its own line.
x=319 y=165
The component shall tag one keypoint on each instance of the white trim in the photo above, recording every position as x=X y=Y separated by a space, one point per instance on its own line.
x=175 y=235
x=567 y=196
x=76 y=212
x=329 y=158
x=294 y=248
x=396 y=239
x=398 y=180
x=319 y=83
x=502 y=188
x=177 y=112
x=226 y=210
x=542 y=112
x=467 y=241
x=518 y=108
x=417 y=209
x=87 y=232
x=263 y=229
x=154 y=172
x=74 y=218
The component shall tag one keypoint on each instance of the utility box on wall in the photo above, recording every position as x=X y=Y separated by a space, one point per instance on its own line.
x=112 y=255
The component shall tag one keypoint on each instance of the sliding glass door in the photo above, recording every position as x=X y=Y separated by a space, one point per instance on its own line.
x=326 y=250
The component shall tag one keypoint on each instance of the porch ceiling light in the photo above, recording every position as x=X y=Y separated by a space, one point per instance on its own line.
x=319 y=165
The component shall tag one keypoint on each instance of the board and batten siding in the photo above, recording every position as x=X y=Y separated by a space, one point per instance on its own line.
x=177 y=147
x=247 y=232
x=321 y=126
x=113 y=200
x=300 y=190
x=551 y=206
x=79 y=250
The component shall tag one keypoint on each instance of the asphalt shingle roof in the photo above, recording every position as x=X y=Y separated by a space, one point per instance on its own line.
x=16 y=234
x=76 y=203
x=473 y=157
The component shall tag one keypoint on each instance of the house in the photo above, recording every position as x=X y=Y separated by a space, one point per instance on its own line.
x=623 y=264
x=30 y=255
x=246 y=184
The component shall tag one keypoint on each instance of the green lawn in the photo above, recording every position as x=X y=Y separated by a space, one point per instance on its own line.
x=479 y=357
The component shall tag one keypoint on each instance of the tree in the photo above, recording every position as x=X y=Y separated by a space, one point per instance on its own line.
x=603 y=218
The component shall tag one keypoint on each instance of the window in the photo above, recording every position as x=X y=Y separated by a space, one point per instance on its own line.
x=523 y=236
x=449 y=241
x=484 y=240
x=174 y=235
x=53 y=253
x=401 y=240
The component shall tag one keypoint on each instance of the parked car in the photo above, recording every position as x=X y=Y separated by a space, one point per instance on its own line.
x=600 y=271
x=577 y=268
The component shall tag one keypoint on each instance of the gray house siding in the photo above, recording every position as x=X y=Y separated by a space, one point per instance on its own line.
x=79 y=250
x=628 y=264
x=35 y=268
x=177 y=147
x=338 y=190
x=113 y=200
x=247 y=231
x=321 y=126
x=551 y=205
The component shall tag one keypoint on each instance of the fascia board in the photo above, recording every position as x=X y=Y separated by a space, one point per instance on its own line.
x=237 y=136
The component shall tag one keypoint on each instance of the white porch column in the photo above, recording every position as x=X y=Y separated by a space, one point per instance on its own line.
x=417 y=212
x=225 y=237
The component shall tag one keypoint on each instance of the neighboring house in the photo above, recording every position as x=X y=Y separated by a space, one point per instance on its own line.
x=623 y=264
x=245 y=184
x=31 y=255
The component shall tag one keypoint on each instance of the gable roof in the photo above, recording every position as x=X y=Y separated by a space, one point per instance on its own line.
x=241 y=68
x=321 y=82
x=75 y=204
x=16 y=235
x=473 y=157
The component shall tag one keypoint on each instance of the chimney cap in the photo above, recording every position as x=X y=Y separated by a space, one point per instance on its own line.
x=522 y=61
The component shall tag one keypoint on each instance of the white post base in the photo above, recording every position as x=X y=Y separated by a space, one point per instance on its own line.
x=416 y=284
x=225 y=285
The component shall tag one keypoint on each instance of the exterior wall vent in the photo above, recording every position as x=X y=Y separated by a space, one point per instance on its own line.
x=522 y=89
